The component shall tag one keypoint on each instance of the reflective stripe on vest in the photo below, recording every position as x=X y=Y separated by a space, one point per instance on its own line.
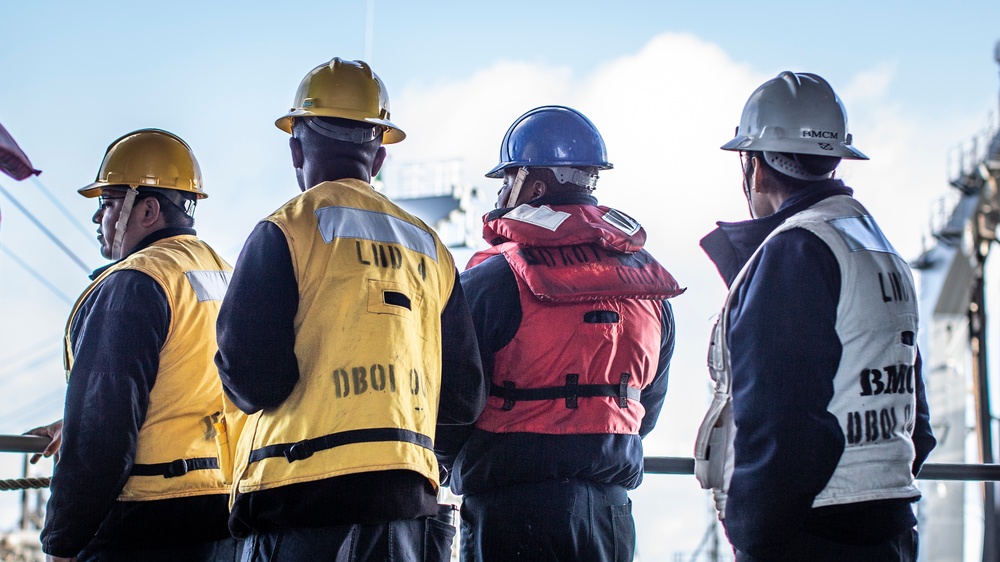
x=362 y=224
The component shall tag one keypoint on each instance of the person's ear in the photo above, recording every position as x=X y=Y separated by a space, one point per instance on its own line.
x=150 y=208
x=298 y=159
x=538 y=188
x=756 y=174
x=378 y=161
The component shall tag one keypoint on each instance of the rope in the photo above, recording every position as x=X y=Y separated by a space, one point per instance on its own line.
x=24 y=483
x=47 y=232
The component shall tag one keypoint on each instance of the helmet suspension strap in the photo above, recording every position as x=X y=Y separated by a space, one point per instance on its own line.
x=122 y=223
x=515 y=190
x=747 y=187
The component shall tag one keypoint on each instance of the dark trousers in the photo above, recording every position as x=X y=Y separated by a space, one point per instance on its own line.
x=902 y=548
x=426 y=539
x=226 y=550
x=558 y=520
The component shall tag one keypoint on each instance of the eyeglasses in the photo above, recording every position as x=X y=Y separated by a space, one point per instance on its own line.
x=103 y=201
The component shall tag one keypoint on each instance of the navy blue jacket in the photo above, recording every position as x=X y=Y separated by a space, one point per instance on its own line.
x=482 y=460
x=788 y=444
x=116 y=336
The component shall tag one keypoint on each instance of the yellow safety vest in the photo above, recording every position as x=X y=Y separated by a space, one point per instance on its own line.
x=182 y=447
x=373 y=281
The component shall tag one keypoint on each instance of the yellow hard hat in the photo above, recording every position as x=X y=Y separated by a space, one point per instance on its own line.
x=344 y=89
x=151 y=158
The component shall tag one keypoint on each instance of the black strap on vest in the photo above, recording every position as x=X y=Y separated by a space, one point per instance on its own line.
x=179 y=467
x=570 y=392
x=305 y=448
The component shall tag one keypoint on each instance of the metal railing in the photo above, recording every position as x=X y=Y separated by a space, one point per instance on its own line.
x=652 y=465
x=23 y=443
x=930 y=471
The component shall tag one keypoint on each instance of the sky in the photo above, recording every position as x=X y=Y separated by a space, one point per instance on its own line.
x=663 y=81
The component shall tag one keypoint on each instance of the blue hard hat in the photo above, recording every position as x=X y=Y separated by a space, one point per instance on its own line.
x=551 y=136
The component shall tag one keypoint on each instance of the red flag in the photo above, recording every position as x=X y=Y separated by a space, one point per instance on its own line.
x=13 y=161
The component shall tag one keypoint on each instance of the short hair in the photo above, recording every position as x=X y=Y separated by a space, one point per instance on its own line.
x=174 y=215
x=174 y=204
x=317 y=147
x=549 y=177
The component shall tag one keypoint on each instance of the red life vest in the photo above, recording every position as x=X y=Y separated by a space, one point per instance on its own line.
x=590 y=332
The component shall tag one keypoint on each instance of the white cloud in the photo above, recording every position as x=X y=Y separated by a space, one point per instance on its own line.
x=466 y=118
x=871 y=84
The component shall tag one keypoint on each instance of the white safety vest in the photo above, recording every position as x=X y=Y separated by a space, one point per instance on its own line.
x=874 y=388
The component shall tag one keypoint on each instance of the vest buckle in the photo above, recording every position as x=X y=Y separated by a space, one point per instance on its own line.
x=623 y=391
x=298 y=451
x=572 y=391
x=508 y=400
x=176 y=468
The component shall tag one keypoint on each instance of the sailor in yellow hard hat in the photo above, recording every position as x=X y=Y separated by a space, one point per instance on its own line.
x=145 y=469
x=346 y=336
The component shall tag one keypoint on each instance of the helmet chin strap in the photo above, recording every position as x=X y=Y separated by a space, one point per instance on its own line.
x=122 y=223
x=746 y=191
x=747 y=185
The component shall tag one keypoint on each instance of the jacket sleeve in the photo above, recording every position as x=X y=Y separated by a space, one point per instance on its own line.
x=652 y=396
x=785 y=353
x=116 y=336
x=923 y=439
x=256 y=325
x=463 y=388
x=491 y=295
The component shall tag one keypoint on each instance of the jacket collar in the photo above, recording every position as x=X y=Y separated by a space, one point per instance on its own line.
x=145 y=242
x=733 y=243
x=561 y=199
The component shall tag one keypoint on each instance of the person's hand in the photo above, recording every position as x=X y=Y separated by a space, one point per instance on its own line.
x=54 y=432
x=720 y=503
x=50 y=558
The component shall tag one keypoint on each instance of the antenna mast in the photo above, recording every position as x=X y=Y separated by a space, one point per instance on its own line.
x=369 y=30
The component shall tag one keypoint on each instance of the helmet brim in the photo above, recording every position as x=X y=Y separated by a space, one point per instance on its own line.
x=92 y=190
x=498 y=170
x=743 y=143
x=96 y=189
x=392 y=135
